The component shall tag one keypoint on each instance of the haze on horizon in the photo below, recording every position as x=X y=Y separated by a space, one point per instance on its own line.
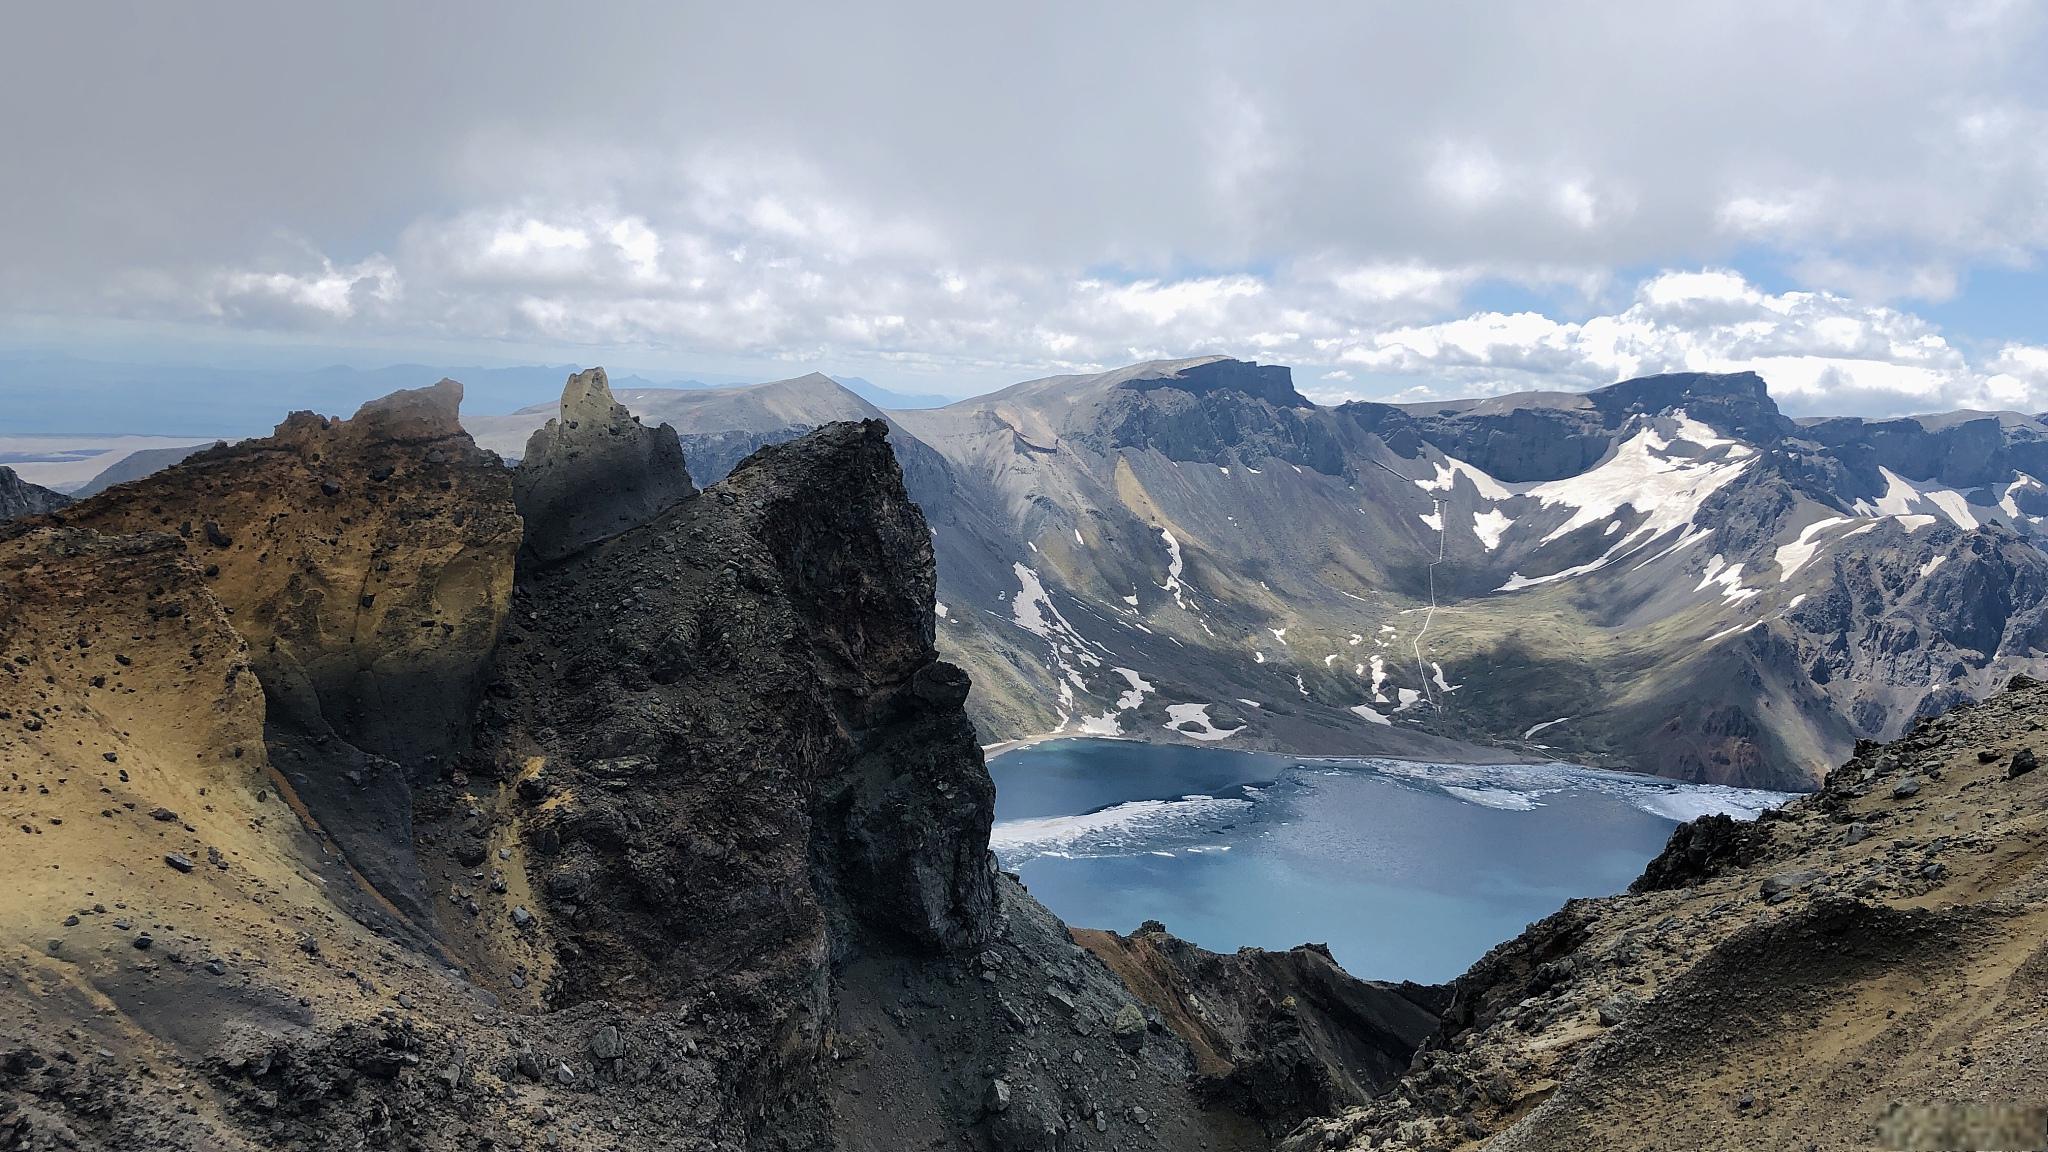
x=1402 y=202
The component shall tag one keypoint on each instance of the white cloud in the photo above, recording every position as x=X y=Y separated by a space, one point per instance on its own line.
x=853 y=186
x=327 y=294
x=1817 y=350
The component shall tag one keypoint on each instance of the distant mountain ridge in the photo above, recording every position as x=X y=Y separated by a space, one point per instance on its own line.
x=1666 y=573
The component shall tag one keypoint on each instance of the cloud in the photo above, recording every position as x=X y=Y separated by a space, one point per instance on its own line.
x=1820 y=352
x=967 y=193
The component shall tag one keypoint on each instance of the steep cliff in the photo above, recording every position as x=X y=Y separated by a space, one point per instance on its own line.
x=368 y=563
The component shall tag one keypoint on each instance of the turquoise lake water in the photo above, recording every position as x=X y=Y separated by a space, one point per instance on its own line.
x=1407 y=871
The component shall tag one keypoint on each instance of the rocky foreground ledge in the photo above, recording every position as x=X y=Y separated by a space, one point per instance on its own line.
x=363 y=793
x=1869 y=958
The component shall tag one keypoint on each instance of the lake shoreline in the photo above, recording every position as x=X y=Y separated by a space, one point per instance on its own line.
x=1478 y=755
x=1408 y=869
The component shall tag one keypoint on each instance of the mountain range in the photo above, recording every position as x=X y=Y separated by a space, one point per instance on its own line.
x=1666 y=574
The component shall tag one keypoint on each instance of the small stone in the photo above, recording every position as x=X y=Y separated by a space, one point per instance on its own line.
x=163 y=815
x=2023 y=762
x=1129 y=1028
x=607 y=1044
x=179 y=860
x=143 y=941
x=1615 y=1009
x=1907 y=788
x=71 y=921
x=1781 y=886
x=521 y=918
x=216 y=967
x=998 y=1097
x=564 y=1075
x=1857 y=833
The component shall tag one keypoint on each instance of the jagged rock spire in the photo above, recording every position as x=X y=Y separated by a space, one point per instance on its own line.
x=595 y=471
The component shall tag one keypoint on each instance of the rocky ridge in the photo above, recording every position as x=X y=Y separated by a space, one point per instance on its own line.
x=684 y=844
x=1864 y=959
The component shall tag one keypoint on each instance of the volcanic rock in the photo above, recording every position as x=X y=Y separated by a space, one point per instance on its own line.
x=595 y=471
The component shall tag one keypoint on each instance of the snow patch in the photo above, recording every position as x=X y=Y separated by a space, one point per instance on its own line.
x=1903 y=497
x=1180 y=715
x=1490 y=526
x=1792 y=557
x=1729 y=578
x=1450 y=468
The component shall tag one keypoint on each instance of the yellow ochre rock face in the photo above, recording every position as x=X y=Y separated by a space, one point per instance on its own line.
x=367 y=561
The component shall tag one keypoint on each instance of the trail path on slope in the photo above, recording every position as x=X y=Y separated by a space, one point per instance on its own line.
x=1437 y=513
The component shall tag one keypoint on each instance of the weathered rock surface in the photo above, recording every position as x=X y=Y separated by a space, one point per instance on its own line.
x=368 y=563
x=594 y=471
x=20 y=498
x=1279 y=1036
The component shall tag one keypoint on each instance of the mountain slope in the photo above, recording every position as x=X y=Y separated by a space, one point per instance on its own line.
x=1575 y=567
x=1867 y=960
x=134 y=466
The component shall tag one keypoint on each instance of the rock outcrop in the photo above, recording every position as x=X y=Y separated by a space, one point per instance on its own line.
x=1868 y=957
x=595 y=472
x=368 y=563
x=1278 y=1036
x=20 y=498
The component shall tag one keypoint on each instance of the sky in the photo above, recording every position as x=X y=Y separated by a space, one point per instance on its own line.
x=1400 y=201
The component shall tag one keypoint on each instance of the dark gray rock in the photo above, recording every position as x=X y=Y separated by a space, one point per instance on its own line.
x=595 y=472
x=2023 y=762
x=20 y=498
